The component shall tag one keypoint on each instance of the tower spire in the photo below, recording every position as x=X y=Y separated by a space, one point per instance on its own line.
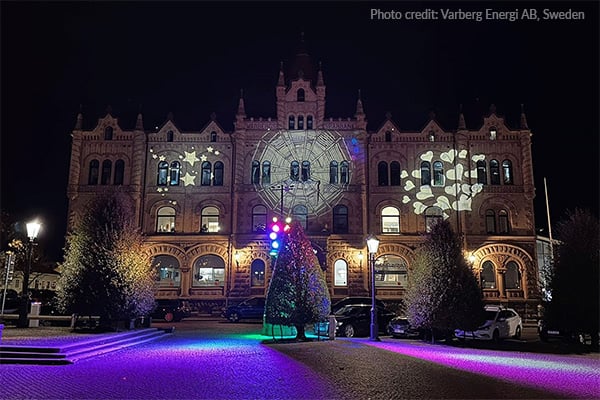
x=461 y=119
x=359 y=105
x=523 y=118
x=241 y=111
x=281 y=80
x=79 y=123
x=139 y=123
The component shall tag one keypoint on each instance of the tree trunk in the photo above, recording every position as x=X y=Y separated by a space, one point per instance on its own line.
x=300 y=334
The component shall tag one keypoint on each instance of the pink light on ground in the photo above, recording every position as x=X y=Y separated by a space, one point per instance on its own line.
x=570 y=375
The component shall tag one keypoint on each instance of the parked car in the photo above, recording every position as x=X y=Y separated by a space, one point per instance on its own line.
x=171 y=310
x=322 y=328
x=11 y=301
x=355 y=320
x=252 y=308
x=549 y=332
x=399 y=327
x=500 y=323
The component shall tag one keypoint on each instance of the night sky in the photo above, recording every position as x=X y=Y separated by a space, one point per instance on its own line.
x=192 y=59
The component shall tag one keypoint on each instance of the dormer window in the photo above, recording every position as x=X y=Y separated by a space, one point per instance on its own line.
x=388 y=136
x=493 y=133
x=213 y=136
x=170 y=136
x=431 y=136
x=300 y=95
x=108 y=133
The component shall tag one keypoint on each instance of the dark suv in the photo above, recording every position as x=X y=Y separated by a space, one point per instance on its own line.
x=252 y=308
x=170 y=310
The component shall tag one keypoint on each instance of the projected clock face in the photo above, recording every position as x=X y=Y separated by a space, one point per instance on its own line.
x=301 y=172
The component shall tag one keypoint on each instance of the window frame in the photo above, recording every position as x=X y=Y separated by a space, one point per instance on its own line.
x=390 y=216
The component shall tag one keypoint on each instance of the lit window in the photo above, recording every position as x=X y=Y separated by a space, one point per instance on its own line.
x=259 y=218
x=493 y=133
x=106 y=172
x=391 y=270
x=481 y=172
x=165 y=219
x=431 y=136
x=94 y=172
x=433 y=215
x=507 y=175
x=512 y=276
x=255 y=177
x=175 y=173
x=206 y=173
x=494 y=172
x=340 y=219
x=209 y=270
x=333 y=172
x=300 y=214
x=390 y=220
x=395 y=173
x=266 y=172
x=425 y=173
x=340 y=270
x=218 y=174
x=257 y=273
x=382 y=173
x=119 y=172
x=490 y=221
x=168 y=270
x=438 y=174
x=488 y=275
x=209 y=221
x=163 y=172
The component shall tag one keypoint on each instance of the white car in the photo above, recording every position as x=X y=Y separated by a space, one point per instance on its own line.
x=501 y=323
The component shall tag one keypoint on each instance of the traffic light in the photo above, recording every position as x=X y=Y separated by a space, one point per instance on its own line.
x=275 y=236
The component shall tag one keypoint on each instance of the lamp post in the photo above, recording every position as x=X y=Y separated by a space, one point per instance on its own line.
x=373 y=245
x=33 y=228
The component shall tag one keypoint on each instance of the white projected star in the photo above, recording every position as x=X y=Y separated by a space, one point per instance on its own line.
x=188 y=179
x=190 y=157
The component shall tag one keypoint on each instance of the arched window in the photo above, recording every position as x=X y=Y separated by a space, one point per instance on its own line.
x=206 y=174
x=340 y=219
x=292 y=122
x=300 y=95
x=218 y=175
x=295 y=171
x=382 y=173
x=344 y=173
x=395 y=173
x=209 y=220
x=388 y=136
x=213 y=136
x=255 y=177
x=340 y=273
x=390 y=220
x=119 y=172
x=493 y=133
x=266 y=172
x=433 y=215
x=438 y=174
x=300 y=214
x=391 y=270
x=488 y=275
x=108 y=133
x=170 y=136
x=300 y=122
x=425 y=173
x=333 y=172
x=512 y=276
x=507 y=175
x=163 y=172
x=209 y=270
x=175 y=173
x=259 y=218
x=481 y=172
x=94 y=172
x=494 y=172
x=309 y=122
x=490 y=221
x=106 y=172
x=503 y=226
x=257 y=273
x=168 y=270
x=165 y=219
x=305 y=170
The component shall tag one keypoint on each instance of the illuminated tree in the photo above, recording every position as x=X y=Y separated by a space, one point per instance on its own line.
x=576 y=279
x=106 y=271
x=298 y=292
x=442 y=292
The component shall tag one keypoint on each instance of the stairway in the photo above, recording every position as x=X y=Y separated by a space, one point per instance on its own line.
x=78 y=349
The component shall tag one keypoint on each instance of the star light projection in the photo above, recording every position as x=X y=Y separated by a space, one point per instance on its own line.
x=191 y=158
x=458 y=192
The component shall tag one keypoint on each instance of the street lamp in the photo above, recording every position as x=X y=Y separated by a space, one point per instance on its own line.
x=33 y=228
x=373 y=245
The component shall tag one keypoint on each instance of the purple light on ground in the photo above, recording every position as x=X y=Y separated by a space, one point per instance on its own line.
x=569 y=375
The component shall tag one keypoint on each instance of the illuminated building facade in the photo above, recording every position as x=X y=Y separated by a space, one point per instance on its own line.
x=205 y=198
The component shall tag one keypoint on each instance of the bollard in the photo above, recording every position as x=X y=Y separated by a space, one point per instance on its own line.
x=35 y=311
x=332 y=324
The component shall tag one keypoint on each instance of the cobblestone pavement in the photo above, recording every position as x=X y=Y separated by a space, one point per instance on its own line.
x=213 y=360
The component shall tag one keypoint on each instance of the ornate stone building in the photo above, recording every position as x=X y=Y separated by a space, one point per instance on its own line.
x=205 y=198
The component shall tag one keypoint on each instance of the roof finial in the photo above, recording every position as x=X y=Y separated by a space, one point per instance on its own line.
x=492 y=109
x=461 y=118
x=281 y=80
x=241 y=108
x=523 y=118
x=170 y=116
x=79 y=123
x=109 y=110
x=139 y=123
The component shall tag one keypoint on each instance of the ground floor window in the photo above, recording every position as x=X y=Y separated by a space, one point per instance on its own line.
x=168 y=270
x=257 y=272
x=209 y=270
x=340 y=273
x=391 y=270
